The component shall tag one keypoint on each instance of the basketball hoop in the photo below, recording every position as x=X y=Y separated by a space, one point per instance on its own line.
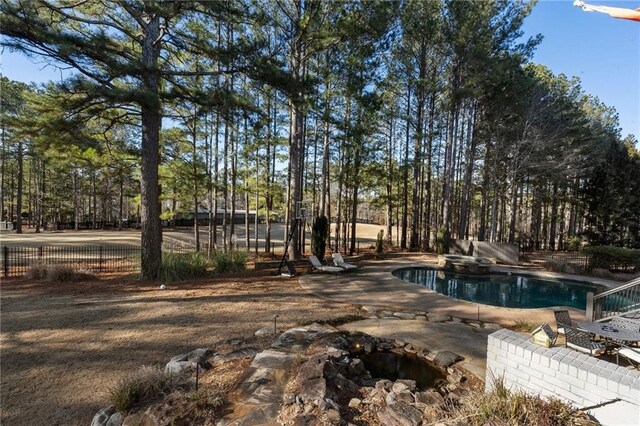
x=303 y=210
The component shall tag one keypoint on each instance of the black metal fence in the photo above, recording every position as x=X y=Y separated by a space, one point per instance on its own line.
x=16 y=261
x=575 y=258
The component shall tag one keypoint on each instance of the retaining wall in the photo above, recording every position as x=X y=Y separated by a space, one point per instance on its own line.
x=506 y=253
x=564 y=373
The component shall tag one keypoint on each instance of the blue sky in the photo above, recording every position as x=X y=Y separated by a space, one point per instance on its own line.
x=604 y=52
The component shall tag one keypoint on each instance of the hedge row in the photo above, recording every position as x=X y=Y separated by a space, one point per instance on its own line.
x=613 y=258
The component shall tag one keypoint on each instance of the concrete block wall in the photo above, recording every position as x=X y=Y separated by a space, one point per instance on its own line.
x=574 y=377
x=506 y=253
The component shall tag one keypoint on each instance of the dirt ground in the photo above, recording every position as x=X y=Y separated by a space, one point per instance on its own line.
x=64 y=345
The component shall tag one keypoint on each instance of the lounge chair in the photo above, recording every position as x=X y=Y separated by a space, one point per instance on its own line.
x=338 y=260
x=581 y=341
x=320 y=267
x=563 y=319
x=631 y=354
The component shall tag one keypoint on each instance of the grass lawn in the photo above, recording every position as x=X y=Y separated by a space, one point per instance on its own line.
x=64 y=345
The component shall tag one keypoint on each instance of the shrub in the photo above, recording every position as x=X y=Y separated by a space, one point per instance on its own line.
x=183 y=266
x=319 y=232
x=602 y=273
x=380 y=242
x=58 y=273
x=441 y=240
x=607 y=257
x=145 y=385
x=574 y=243
x=560 y=266
x=207 y=401
x=502 y=406
x=231 y=261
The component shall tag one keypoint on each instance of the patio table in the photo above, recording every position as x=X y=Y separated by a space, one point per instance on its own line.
x=610 y=331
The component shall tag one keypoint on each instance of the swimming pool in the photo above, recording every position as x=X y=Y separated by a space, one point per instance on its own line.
x=509 y=291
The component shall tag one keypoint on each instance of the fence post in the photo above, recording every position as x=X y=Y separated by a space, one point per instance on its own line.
x=40 y=252
x=100 y=261
x=6 y=260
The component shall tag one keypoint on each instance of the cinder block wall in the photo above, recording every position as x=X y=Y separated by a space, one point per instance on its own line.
x=564 y=373
x=506 y=253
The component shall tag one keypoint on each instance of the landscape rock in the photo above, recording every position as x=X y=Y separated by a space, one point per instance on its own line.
x=265 y=331
x=384 y=384
x=409 y=383
x=356 y=367
x=116 y=419
x=272 y=358
x=248 y=352
x=102 y=416
x=446 y=359
x=400 y=414
x=355 y=402
x=371 y=309
x=405 y=396
x=404 y=315
x=179 y=367
x=189 y=361
x=439 y=318
x=430 y=397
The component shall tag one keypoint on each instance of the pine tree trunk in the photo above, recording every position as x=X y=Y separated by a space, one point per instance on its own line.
x=389 y=186
x=2 y=173
x=267 y=195
x=19 y=190
x=405 y=176
x=151 y=238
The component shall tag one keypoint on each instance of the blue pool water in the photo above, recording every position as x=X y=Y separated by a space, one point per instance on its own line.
x=510 y=291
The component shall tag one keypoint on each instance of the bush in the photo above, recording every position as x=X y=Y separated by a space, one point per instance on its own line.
x=380 y=242
x=560 y=266
x=183 y=266
x=319 y=232
x=502 y=406
x=441 y=240
x=231 y=261
x=611 y=258
x=145 y=385
x=58 y=273
x=602 y=273
x=208 y=401
x=574 y=243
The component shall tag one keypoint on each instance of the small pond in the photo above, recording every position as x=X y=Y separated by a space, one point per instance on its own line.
x=392 y=366
x=510 y=291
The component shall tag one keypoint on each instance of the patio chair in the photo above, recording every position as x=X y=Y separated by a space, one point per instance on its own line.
x=563 y=319
x=581 y=341
x=627 y=324
x=631 y=354
x=338 y=260
x=320 y=267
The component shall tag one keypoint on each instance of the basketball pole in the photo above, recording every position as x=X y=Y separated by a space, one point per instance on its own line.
x=286 y=247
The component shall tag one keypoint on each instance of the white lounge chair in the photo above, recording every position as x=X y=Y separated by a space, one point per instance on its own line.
x=320 y=267
x=338 y=260
x=631 y=354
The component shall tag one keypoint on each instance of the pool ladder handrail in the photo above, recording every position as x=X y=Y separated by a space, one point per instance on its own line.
x=603 y=306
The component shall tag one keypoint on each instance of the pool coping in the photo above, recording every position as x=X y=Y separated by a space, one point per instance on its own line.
x=373 y=284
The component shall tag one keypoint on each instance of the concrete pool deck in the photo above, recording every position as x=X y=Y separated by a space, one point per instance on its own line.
x=449 y=324
x=373 y=284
